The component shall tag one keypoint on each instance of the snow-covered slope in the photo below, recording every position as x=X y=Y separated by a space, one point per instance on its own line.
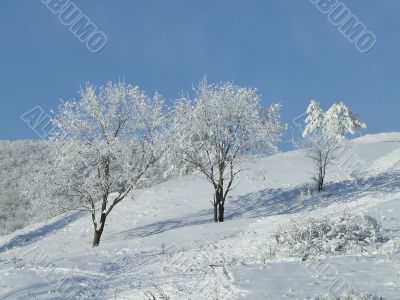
x=162 y=240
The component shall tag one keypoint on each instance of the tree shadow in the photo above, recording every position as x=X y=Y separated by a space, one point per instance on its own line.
x=202 y=217
x=288 y=201
x=270 y=201
x=43 y=231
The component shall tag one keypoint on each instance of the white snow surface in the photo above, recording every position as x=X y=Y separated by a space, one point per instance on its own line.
x=162 y=240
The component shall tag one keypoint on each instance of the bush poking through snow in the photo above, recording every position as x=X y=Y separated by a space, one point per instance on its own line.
x=337 y=235
x=351 y=296
x=158 y=294
x=308 y=190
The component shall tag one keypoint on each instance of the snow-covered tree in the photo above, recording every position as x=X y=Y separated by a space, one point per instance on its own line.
x=323 y=133
x=221 y=125
x=19 y=160
x=104 y=146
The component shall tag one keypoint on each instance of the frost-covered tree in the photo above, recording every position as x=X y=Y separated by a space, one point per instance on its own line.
x=323 y=133
x=218 y=127
x=104 y=146
x=19 y=160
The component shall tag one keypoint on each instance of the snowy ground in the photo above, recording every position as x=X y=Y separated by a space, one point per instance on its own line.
x=162 y=240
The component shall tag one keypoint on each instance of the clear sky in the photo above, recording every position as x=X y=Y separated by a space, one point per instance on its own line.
x=285 y=48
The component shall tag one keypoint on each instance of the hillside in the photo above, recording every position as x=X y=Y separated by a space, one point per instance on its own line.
x=162 y=240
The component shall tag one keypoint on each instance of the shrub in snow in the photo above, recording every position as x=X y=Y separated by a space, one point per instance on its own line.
x=353 y=295
x=328 y=236
x=308 y=190
x=158 y=294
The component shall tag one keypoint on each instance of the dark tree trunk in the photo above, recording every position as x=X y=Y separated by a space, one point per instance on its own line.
x=99 y=231
x=218 y=204
x=97 y=236
x=221 y=212
x=321 y=184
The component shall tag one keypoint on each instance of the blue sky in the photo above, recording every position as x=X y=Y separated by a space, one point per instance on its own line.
x=285 y=48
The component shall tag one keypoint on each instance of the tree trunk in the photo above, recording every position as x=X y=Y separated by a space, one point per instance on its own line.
x=216 y=212
x=218 y=204
x=221 y=212
x=98 y=232
x=320 y=183
x=97 y=236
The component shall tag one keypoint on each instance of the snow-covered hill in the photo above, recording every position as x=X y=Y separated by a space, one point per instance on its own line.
x=162 y=241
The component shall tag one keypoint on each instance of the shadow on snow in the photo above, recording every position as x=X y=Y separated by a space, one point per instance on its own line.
x=279 y=201
x=34 y=235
